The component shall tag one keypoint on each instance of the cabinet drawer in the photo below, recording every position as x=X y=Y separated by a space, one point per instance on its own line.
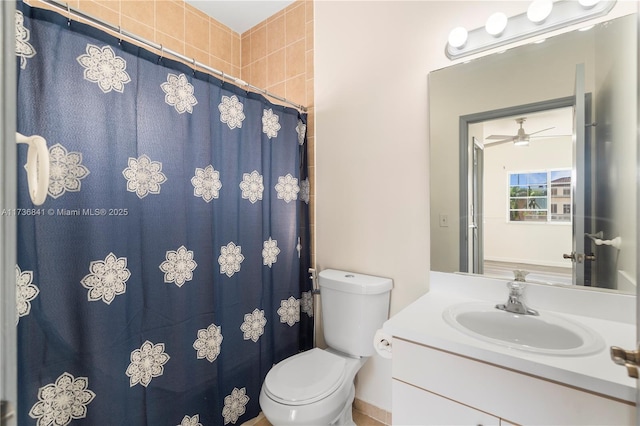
x=414 y=406
x=508 y=394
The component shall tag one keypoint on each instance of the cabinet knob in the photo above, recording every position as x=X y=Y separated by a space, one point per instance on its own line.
x=629 y=359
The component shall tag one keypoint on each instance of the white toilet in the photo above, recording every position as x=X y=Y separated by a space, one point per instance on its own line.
x=316 y=387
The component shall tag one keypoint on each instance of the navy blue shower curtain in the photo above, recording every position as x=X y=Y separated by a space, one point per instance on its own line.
x=167 y=270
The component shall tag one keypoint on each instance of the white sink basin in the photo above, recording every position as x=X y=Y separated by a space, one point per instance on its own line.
x=546 y=334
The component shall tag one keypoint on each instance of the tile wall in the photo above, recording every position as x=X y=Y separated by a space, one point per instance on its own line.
x=276 y=54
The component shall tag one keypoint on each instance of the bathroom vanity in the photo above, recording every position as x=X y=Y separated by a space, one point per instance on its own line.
x=442 y=375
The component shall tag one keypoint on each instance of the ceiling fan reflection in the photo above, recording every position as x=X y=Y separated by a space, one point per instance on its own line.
x=521 y=138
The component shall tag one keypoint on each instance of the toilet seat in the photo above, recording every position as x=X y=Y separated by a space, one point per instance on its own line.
x=305 y=378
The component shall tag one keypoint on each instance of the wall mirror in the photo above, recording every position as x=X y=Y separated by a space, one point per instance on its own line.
x=533 y=160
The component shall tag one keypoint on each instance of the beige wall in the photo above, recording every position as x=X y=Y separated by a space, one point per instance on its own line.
x=277 y=54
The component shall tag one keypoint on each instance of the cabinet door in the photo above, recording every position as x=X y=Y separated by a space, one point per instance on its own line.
x=415 y=406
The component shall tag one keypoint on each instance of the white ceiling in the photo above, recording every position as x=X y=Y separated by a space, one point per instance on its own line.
x=240 y=15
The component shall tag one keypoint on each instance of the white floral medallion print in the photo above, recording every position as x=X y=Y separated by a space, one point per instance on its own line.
x=301 y=130
x=102 y=66
x=306 y=303
x=289 y=311
x=234 y=405
x=65 y=171
x=24 y=49
x=179 y=93
x=107 y=278
x=63 y=401
x=253 y=325
x=270 y=125
x=305 y=191
x=270 y=252
x=26 y=291
x=287 y=188
x=146 y=363
x=144 y=176
x=206 y=183
x=231 y=112
x=208 y=343
x=179 y=266
x=191 y=421
x=252 y=186
x=230 y=259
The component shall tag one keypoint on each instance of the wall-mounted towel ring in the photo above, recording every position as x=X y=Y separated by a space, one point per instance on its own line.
x=37 y=167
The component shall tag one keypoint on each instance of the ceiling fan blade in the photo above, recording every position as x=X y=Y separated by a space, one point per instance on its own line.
x=509 y=139
x=548 y=136
x=540 y=131
x=500 y=137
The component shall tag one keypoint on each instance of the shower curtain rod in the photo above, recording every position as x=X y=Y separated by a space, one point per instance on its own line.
x=99 y=22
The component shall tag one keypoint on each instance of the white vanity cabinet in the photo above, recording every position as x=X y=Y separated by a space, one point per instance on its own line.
x=415 y=406
x=435 y=387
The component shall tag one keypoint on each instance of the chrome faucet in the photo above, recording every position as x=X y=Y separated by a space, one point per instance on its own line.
x=515 y=304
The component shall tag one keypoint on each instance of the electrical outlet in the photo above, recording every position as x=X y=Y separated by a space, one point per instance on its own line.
x=444 y=220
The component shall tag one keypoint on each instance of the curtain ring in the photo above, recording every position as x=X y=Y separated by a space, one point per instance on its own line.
x=195 y=65
x=68 y=15
x=161 y=53
x=223 y=77
x=120 y=32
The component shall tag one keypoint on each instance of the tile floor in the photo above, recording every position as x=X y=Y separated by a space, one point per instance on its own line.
x=361 y=419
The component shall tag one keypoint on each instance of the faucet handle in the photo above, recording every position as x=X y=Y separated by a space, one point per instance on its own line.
x=516 y=288
x=520 y=274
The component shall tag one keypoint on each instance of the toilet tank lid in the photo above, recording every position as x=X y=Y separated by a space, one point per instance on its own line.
x=351 y=282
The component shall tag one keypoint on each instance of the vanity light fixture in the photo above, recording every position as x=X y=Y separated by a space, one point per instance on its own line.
x=496 y=24
x=539 y=10
x=544 y=17
x=588 y=3
x=458 y=37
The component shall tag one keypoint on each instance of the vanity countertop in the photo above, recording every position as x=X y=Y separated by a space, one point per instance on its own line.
x=609 y=314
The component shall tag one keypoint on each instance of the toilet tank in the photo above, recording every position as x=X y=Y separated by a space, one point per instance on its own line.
x=354 y=306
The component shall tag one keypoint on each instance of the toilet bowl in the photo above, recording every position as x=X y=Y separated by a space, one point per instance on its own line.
x=316 y=387
x=311 y=388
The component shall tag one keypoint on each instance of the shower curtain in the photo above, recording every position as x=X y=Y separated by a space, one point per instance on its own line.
x=167 y=270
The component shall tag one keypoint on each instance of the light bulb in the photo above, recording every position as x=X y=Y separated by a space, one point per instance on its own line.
x=587 y=4
x=458 y=37
x=496 y=23
x=539 y=10
x=587 y=28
